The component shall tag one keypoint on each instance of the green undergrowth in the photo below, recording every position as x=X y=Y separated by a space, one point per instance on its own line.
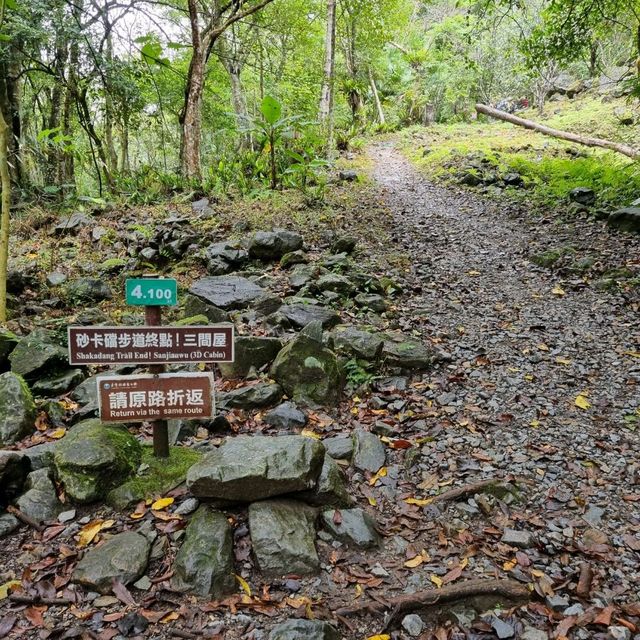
x=550 y=168
x=155 y=476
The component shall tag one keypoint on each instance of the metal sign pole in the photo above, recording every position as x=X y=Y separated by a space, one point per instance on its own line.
x=153 y=318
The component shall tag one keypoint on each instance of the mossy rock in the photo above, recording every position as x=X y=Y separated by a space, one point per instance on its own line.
x=8 y=342
x=156 y=476
x=93 y=457
x=17 y=409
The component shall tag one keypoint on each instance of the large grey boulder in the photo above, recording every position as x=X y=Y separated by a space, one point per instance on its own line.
x=304 y=630
x=336 y=283
x=249 y=468
x=283 y=537
x=308 y=371
x=204 y=564
x=250 y=351
x=40 y=501
x=55 y=384
x=41 y=455
x=369 y=453
x=123 y=558
x=93 y=458
x=272 y=245
x=300 y=315
x=8 y=342
x=14 y=468
x=627 y=219
x=407 y=354
x=223 y=257
x=355 y=343
x=331 y=488
x=227 y=292
x=259 y=395
x=195 y=306
x=286 y=416
x=354 y=527
x=72 y=223
x=17 y=409
x=304 y=274
x=36 y=354
x=89 y=290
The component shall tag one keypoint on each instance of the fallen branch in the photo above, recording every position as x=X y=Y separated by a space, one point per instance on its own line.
x=584 y=582
x=624 y=149
x=25 y=518
x=468 y=490
x=508 y=589
x=19 y=598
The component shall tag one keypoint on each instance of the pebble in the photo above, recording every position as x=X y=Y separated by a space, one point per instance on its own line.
x=619 y=633
x=379 y=571
x=66 y=516
x=522 y=539
x=187 y=507
x=413 y=625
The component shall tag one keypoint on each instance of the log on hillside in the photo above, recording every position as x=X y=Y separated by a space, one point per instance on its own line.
x=624 y=149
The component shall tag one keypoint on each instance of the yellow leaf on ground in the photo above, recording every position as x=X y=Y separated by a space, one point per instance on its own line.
x=174 y=615
x=359 y=590
x=58 y=433
x=380 y=636
x=244 y=584
x=510 y=564
x=437 y=581
x=307 y=433
x=8 y=586
x=582 y=402
x=372 y=501
x=382 y=472
x=535 y=424
x=563 y=361
x=136 y=515
x=418 y=501
x=91 y=530
x=162 y=503
x=557 y=291
x=473 y=272
x=633 y=354
x=414 y=562
x=543 y=347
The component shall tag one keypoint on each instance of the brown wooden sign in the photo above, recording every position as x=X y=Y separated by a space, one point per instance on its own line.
x=150 y=345
x=165 y=396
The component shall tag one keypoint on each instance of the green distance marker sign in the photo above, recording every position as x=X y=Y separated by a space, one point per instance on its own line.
x=155 y=292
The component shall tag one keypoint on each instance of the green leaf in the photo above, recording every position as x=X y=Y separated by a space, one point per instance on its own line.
x=4 y=37
x=271 y=110
x=11 y=4
x=151 y=51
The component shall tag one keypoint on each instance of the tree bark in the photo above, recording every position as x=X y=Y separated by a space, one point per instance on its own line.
x=5 y=182
x=376 y=98
x=325 y=112
x=624 y=149
x=112 y=157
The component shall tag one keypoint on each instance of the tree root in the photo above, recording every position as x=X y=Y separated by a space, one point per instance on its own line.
x=25 y=518
x=508 y=589
x=490 y=485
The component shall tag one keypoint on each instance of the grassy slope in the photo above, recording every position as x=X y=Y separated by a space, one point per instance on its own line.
x=550 y=167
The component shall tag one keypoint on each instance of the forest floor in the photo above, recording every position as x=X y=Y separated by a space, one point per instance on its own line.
x=539 y=392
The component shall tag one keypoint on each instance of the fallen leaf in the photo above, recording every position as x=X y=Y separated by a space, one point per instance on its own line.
x=604 y=617
x=414 y=562
x=453 y=575
x=382 y=472
x=91 y=530
x=162 y=503
x=58 y=433
x=418 y=501
x=244 y=584
x=8 y=586
x=307 y=433
x=174 y=615
x=436 y=580
x=563 y=361
x=582 y=402
x=558 y=291
x=380 y=636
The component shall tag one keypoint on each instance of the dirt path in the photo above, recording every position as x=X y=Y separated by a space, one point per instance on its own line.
x=521 y=354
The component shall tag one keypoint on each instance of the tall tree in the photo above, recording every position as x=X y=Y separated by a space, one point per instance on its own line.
x=208 y=21
x=5 y=183
x=325 y=112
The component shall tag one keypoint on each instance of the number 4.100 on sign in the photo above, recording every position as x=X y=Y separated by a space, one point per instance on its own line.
x=152 y=292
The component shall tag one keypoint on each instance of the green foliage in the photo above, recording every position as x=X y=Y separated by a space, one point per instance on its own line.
x=357 y=374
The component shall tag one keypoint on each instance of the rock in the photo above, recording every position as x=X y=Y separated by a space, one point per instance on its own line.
x=307 y=371
x=304 y=274
x=202 y=208
x=407 y=355
x=14 y=468
x=521 y=539
x=344 y=244
x=73 y=223
x=593 y=515
x=304 y=630
x=93 y=458
x=513 y=179
x=67 y=516
x=8 y=342
x=347 y=175
x=260 y=395
x=557 y=602
x=181 y=430
x=339 y=447
x=583 y=196
x=8 y=524
x=250 y=351
x=331 y=489
x=371 y=301
x=336 y=283
x=369 y=453
x=619 y=633
x=37 y=354
x=300 y=315
x=266 y=304
x=194 y=306
x=272 y=245
x=627 y=219
x=40 y=501
x=123 y=558
x=286 y=416
x=89 y=290
x=233 y=254
x=470 y=178
x=56 y=278
x=204 y=563
x=187 y=507
x=355 y=343
x=227 y=292
x=502 y=629
x=282 y=536
x=354 y=527
x=40 y=456
x=56 y=384
x=413 y=625
x=529 y=633
x=17 y=409
x=249 y=468
x=293 y=257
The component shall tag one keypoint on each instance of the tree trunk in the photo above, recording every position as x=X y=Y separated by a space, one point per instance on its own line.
x=5 y=182
x=325 y=113
x=112 y=157
x=624 y=149
x=376 y=98
x=191 y=118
